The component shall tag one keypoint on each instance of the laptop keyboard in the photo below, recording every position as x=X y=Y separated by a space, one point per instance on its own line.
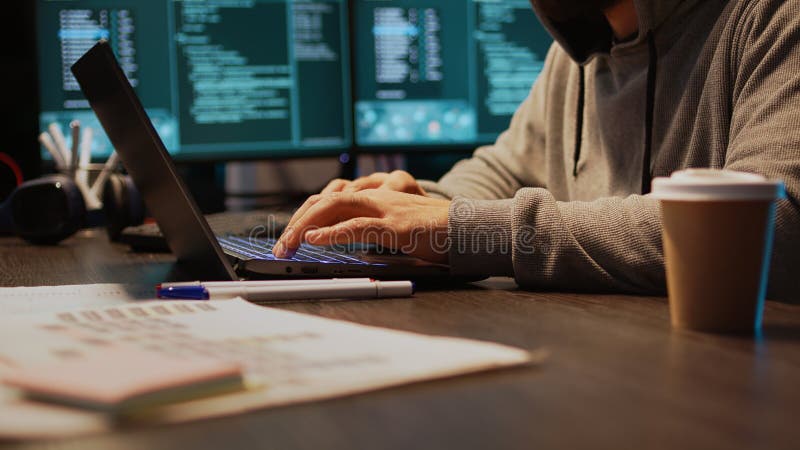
x=264 y=223
x=261 y=248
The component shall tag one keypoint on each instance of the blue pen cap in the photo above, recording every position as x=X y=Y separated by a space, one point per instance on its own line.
x=183 y=293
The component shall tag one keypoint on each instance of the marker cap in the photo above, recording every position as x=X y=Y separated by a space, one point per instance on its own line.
x=183 y=293
x=395 y=288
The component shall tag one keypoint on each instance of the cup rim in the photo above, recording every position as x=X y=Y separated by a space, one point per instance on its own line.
x=716 y=185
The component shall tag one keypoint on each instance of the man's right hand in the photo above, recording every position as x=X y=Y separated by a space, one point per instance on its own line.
x=399 y=180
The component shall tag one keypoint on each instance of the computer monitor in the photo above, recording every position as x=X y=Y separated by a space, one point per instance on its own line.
x=442 y=73
x=221 y=79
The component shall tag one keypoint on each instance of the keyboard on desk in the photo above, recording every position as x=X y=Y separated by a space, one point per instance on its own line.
x=261 y=248
x=266 y=223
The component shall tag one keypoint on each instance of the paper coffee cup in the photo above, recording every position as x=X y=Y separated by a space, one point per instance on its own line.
x=717 y=228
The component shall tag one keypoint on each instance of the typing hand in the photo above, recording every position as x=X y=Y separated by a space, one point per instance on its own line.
x=399 y=180
x=413 y=224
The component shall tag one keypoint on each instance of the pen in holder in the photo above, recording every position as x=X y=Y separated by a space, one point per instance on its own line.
x=75 y=162
x=51 y=208
x=103 y=190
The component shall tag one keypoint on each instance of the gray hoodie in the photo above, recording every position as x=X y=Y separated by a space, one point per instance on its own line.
x=559 y=201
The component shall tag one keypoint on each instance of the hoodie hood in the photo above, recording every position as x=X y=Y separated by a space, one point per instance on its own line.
x=587 y=37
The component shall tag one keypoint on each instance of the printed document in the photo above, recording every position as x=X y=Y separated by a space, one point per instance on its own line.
x=287 y=357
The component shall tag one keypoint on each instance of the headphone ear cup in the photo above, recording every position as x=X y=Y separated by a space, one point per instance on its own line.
x=47 y=210
x=135 y=202
x=122 y=205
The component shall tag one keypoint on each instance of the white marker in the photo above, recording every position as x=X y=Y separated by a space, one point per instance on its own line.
x=91 y=201
x=82 y=177
x=375 y=289
x=261 y=283
x=48 y=144
x=61 y=143
x=99 y=183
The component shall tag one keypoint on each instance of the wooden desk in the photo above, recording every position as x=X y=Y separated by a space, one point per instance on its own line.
x=618 y=376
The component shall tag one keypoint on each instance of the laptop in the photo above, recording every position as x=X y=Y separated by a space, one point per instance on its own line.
x=148 y=237
x=205 y=255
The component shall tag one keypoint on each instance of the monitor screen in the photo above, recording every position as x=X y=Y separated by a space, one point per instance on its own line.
x=220 y=79
x=442 y=72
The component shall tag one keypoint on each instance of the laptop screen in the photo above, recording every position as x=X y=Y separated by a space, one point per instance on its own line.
x=130 y=130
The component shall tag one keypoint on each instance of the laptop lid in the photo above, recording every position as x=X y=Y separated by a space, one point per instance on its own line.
x=149 y=164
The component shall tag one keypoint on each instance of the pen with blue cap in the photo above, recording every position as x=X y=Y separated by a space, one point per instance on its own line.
x=284 y=290
x=259 y=283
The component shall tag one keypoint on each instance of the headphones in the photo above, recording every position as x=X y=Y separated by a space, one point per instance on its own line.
x=122 y=205
x=46 y=210
x=49 y=209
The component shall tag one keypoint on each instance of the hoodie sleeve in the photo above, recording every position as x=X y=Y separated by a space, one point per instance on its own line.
x=764 y=133
x=608 y=245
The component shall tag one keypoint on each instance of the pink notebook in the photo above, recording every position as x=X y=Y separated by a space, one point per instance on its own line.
x=124 y=379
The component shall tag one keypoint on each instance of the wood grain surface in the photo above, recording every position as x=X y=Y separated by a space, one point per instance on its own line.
x=618 y=376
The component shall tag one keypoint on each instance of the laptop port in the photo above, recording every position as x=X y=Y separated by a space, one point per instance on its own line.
x=309 y=270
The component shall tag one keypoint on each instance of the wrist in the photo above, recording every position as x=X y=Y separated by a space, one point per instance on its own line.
x=480 y=237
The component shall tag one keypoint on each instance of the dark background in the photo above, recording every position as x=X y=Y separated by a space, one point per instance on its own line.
x=18 y=81
x=19 y=120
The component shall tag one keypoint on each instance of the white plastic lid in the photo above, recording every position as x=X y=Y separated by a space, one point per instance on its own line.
x=713 y=184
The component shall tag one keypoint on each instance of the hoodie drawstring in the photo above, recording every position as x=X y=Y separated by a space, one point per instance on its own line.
x=652 y=68
x=579 y=120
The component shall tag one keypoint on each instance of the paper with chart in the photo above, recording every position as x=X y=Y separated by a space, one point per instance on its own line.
x=39 y=299
x=288 y=357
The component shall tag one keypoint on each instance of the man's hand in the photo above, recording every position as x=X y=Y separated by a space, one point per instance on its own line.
x=398 y=180
x=414 y=224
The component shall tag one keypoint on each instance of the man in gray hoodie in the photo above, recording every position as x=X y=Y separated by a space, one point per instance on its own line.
x=631 y=90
